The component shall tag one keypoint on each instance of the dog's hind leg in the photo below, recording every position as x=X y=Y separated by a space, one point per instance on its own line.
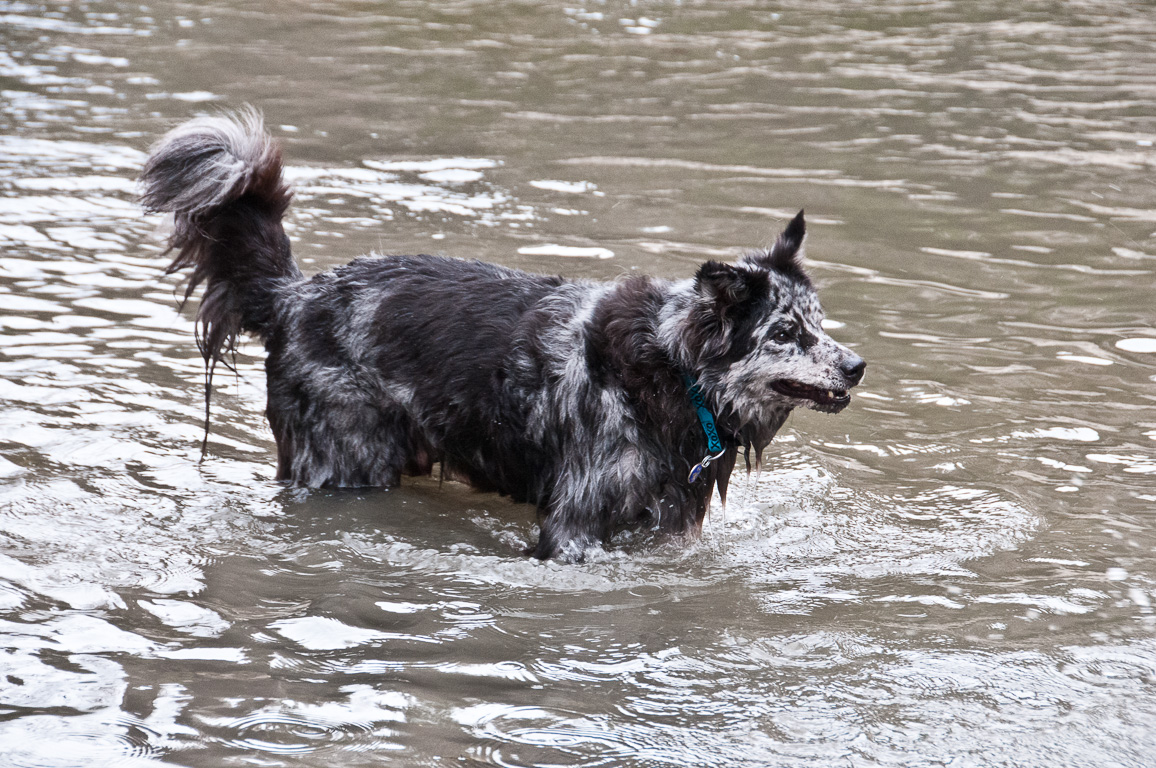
x=355 y=445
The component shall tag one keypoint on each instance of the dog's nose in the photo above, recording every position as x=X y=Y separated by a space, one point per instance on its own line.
x=853 y=368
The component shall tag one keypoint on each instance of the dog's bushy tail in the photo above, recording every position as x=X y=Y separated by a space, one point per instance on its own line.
x=221 y=179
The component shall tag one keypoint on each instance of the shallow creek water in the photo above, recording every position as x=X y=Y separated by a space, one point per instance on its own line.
x=957 y=570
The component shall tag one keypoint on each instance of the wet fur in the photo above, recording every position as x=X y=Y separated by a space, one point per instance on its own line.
x=560 y=393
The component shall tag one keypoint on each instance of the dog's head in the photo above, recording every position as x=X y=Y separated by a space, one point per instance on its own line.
x=754 y=335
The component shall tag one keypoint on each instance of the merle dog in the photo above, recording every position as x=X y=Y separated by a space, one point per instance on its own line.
x=603 y=404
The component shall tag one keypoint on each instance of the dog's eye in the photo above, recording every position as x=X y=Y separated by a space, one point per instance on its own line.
x=783 y=336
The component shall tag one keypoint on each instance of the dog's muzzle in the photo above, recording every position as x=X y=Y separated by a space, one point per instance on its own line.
x=826 y=399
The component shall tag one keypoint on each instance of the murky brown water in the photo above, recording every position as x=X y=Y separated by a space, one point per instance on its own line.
x=958 y=570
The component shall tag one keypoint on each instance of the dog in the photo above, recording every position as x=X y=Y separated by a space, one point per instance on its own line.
x=604 y=404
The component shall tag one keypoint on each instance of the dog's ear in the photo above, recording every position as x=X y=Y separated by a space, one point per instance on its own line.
x=787 y=253
x=727 y=294
x=726 y=285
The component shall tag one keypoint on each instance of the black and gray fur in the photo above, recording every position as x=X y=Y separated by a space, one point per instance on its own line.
x=561 y=393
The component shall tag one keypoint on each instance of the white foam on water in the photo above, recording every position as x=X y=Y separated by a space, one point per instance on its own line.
x=567 y=251
x=1067 y=434
x=319 y=633
x=437 y=190
x=1085 y=359
x=436 y=164
x=1144 y=345
x=568 y=187
x=453 y=176
x=186 y=617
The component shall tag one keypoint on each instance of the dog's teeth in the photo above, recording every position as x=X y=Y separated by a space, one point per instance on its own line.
x=830 y=394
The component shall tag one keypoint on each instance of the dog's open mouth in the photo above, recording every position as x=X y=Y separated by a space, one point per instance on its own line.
x=823 y=398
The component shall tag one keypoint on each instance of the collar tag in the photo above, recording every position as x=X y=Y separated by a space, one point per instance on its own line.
x=697 y=469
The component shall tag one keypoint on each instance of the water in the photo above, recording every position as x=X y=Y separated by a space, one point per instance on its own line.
x=957 y=570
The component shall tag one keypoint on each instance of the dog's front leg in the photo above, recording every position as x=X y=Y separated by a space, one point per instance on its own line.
x=575 y=517
x=588 y=495
x=567 y=533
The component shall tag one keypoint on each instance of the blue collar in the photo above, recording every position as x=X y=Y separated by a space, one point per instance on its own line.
x=714 y=446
